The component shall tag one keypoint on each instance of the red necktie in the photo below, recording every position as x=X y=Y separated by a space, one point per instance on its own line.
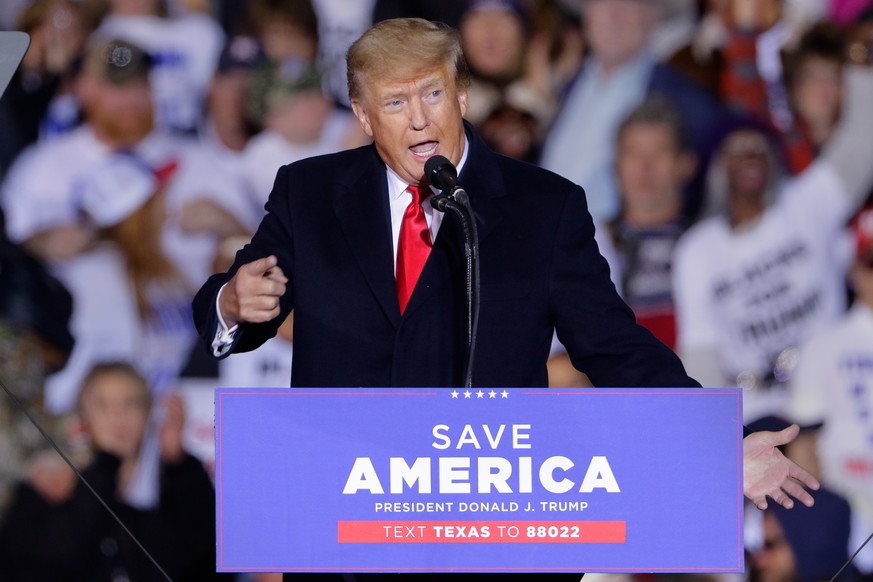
x=412 y=248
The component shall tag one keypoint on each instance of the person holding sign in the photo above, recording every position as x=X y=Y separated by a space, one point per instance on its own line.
x=376 y=277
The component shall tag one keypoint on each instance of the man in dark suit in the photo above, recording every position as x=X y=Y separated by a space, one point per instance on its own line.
x=329 y=227
x=336 y=226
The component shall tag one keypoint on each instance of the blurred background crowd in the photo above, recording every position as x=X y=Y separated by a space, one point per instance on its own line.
x=725 y=146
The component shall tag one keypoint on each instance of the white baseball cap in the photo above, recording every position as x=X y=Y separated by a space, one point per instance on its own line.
x=115 y=189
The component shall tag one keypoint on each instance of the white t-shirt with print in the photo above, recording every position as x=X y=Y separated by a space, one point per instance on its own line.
x=754 y=291
x=833 y=385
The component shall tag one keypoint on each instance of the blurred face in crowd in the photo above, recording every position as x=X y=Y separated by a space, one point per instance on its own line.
x=121 y=114
x=511 y=132
x=775 y=561
x=818 y=91
x=57 y=32
x=652 y=170
x=226 y=104
x=493 y=42
x=754 y=14
x=115 y=409
x=618 y=29
x=299 y=117
x=134 y=7
x=411 y=120
x=283 y=40
x=748 y=158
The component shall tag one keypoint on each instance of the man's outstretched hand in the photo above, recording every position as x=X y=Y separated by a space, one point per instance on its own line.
x=768 y=473
x=253 y=294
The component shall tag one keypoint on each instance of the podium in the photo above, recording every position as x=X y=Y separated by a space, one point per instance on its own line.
x=479 y=480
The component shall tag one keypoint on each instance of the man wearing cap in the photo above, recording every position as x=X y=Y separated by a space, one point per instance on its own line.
x=59 y=194
x=832 y=387
x=38 y=195
x=335 y=246
x=185 y=47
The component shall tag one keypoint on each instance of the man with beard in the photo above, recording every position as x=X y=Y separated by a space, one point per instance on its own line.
x=119 y=158
x=42 y=195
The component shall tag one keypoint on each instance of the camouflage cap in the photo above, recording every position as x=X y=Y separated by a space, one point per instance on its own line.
x=117 y=61
x=274 y=83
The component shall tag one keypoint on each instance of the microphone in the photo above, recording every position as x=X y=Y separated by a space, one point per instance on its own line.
x=441 y=174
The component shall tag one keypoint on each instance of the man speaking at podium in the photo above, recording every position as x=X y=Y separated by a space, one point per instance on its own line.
x=332 y=248
x=376 y=276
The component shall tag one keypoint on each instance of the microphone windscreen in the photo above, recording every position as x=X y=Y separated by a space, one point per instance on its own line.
x=434 y=169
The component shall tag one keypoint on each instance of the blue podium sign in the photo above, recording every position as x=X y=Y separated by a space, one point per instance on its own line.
x=481 y=480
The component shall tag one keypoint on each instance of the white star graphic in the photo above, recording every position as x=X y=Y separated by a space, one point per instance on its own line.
x=454 y=393
x=467 y=394
x=504 y=394
x=492 y=394
x=480 y=394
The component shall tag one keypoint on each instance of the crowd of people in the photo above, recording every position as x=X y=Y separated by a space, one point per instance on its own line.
x=725 y=150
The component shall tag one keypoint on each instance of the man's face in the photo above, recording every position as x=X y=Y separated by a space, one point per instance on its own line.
x=618 y=29
x=651 y=169
x=748 y=158
x=412 y=120
x=750 y=14
x=115 y=412
x=122 y=114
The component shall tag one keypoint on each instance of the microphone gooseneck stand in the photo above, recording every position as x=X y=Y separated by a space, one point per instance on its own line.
x=443 y=175
x=460 y=206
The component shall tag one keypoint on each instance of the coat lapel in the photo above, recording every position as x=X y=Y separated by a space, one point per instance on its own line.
x=484 y=184
x=361 y=206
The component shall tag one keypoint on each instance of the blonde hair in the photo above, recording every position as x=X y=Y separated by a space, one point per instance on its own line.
x=405 y=48
x=138 y=237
